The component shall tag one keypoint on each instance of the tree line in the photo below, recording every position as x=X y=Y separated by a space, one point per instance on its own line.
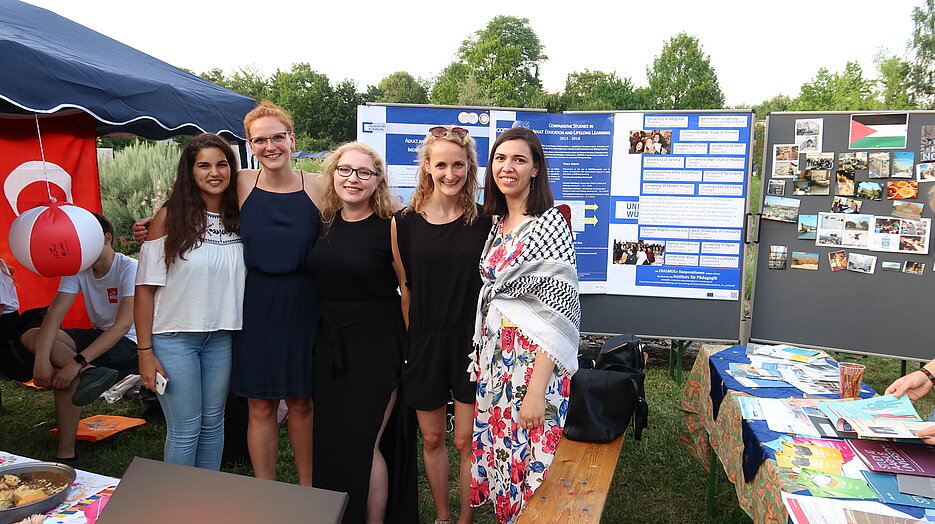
x=498 y=66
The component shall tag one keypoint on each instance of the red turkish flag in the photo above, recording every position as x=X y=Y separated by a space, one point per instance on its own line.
x=70 y=175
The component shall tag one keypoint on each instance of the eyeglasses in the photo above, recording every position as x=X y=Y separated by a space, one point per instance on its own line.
x=442 y=131
x=362 y=172
x=276 y=139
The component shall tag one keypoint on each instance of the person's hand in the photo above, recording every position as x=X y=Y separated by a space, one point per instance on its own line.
x=42 y=373
x=65 y=376
x=927 y=435
x=532 y=412
x=141 y=228
x=149 y=365
x=915 y=384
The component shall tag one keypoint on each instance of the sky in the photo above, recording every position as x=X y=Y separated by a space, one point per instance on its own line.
x=759 y=48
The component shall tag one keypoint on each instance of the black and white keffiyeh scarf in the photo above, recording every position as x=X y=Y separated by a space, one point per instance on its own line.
x=537 y=291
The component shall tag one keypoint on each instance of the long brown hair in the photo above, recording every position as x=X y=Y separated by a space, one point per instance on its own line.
x=427 y=185
x=540 y=197
x=382 y=202
x=186 y=220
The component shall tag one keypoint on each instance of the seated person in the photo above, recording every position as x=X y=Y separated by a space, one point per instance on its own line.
x=77 y=363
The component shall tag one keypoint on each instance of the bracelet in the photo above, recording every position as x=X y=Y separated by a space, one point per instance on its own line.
x=144 y=349
x=928 y=374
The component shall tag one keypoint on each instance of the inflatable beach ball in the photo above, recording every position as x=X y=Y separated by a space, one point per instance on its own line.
x=56 y=239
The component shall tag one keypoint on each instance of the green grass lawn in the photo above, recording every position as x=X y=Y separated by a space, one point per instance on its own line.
x=655 y=481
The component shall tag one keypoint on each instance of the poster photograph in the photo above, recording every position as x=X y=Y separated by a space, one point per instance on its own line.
x=808 y=227
x=845 y=183
x=914 y=268
x=804 y=260
x=785 y=160
x=910 y=210
x=812 y=182
x=776 y=187
x=808 y=134
x=925 y=172
x=879 y=164
x=819 y=161
x=781 y=209
x=852 y=161
x=890 y=266
x=861 y=263
x=870 y=190
x=902 y=189
x=899 y=235
x=778 y=256
x=902 y=164
x=839 y=229
x=927 y=143
x=837 y=260
x=845 y=205
x=651 y=142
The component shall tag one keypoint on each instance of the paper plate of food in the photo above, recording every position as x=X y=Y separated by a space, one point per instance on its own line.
x=32 y=488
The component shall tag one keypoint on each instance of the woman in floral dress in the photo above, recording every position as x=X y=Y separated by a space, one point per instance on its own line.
x=526 y=337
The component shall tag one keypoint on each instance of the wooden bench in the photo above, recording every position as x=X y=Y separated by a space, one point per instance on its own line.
x=576 y=486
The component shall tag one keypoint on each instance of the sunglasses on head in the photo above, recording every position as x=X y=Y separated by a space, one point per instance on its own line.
x=442 y=131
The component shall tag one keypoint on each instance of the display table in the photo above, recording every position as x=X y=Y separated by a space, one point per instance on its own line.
x=86 y=491
x=716 y=431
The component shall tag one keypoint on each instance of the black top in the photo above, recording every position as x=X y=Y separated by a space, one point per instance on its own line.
x=441 y=262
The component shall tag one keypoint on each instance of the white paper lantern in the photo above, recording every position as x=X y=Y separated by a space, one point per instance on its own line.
x=56 y=239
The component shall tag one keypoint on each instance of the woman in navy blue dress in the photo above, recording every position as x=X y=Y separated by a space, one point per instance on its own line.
x=273 y=354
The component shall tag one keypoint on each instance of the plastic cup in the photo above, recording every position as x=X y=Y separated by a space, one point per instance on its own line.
x=850 y=375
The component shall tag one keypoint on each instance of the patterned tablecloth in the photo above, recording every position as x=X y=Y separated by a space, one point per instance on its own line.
x=713 y=418
x=86 y=491
x=759 y=498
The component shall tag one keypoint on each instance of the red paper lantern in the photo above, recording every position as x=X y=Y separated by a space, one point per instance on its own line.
x=56 y=239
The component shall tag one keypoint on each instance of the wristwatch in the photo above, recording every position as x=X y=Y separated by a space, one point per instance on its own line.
x=79 y=358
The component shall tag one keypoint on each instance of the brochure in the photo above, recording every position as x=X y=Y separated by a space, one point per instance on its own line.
x=894 y=457
x=877 y=417
x=887 y=489
x=825 y=460
x=834 y=486
x=916 y=485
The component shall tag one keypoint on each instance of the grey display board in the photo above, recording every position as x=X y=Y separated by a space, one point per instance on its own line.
x=886 y=313
x=678 y=318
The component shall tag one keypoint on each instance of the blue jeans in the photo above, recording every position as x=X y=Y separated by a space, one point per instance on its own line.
x=198 y=366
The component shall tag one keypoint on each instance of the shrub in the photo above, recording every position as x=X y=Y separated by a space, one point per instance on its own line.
x=135 y=184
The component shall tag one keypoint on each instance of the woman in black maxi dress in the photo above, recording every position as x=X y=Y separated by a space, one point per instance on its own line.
x=359 y=347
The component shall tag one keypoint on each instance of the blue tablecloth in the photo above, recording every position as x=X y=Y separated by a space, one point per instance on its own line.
x=755 y=432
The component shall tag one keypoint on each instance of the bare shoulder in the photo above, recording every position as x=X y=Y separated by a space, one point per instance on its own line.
x=246 y=178
x=313 y=186
x=157 y=228
x=246 y=181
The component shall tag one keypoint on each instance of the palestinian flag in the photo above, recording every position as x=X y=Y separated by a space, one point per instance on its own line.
x=886 y=131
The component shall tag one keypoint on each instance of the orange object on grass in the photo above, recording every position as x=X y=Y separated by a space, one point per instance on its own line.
x=32 y=384
x=100 y=427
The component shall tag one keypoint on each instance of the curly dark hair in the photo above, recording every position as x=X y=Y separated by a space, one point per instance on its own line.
x=186 y=220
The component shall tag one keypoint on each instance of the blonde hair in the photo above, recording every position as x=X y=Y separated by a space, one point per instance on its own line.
x=382 y=202
x=426 y=184
x=267 y=108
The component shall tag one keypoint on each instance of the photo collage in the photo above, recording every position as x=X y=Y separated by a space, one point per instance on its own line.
x=847 y=180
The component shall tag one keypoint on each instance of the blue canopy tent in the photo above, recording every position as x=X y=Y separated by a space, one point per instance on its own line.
x=52 y=64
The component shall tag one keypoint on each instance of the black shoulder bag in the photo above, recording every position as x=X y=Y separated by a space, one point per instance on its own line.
x=607 y=393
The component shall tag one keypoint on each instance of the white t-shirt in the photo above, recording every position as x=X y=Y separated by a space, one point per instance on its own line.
x=202 y=292
x=102 y=295
x=9 y=301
